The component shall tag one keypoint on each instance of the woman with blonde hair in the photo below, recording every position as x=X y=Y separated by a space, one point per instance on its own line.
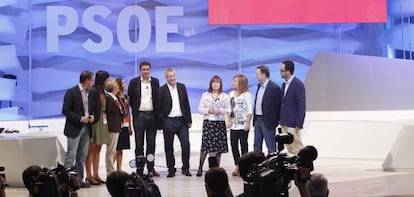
x=239 y=117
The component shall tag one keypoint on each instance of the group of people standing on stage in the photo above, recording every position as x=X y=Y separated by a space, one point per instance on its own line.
x=272 y=106
x=98 y=114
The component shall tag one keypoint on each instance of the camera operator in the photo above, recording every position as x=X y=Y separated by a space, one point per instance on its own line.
x=246 y=161
x=115 y=183
x=55 y=182
x=28 y=174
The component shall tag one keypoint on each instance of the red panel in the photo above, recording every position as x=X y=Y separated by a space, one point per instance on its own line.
x=226 y=12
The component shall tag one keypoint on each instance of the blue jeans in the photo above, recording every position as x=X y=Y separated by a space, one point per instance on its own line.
x=78 y=149
x=260 y=132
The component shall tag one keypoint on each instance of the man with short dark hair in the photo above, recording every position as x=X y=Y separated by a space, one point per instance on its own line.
x=293 y=109
x=217 y=183
x=115 y=183
x=266 y=110
x=78 y=110
x=142 y=92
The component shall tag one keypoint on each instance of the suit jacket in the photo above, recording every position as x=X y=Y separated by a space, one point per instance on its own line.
x=73 y=110
x=270 y=105
x=165 y=103
x=134 y=93
x=114 y=114
x=293 y=109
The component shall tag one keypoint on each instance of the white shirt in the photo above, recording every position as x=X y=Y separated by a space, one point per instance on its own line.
x=241 y=106
x=207 y=102
x=259 y=98
x=84 y=95
x=146 y=96
x=175 y=108
x=287 y=84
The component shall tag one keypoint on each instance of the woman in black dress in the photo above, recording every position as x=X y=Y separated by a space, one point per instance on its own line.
x=126 y=128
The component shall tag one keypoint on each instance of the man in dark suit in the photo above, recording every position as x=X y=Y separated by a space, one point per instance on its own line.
x=142 y=92
x=175 y=117
x=292 y=114
x=266 y=110
x=76 y=108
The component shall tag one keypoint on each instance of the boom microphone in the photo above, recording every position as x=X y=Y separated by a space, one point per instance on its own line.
x=307 y=155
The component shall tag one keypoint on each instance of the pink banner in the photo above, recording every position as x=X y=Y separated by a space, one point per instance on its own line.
x=228 y=12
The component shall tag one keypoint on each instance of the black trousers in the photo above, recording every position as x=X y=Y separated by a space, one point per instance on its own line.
x=144 y=126
x=179 y=127
x=237 y=136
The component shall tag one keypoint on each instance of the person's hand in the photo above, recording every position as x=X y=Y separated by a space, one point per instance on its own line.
x=247 y=127
x=297 y=129
x=91 y=118
x=130 y=131
x=189 y=125
x=229 y=123
x=84 y=119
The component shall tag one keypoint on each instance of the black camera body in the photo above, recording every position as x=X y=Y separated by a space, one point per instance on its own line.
x=57 y=182
x=139 y=184
x=273 y=176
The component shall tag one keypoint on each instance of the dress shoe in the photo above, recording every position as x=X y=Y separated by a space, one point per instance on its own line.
x=153 y=173
x=199 y=172
x=171 y=173
x=92 y=181
x=186 y=173
x=85 y=185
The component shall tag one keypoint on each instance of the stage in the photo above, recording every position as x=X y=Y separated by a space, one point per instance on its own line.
x=350 y=172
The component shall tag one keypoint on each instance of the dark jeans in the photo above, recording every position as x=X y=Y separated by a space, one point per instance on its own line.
x=260 y=133
x=177 y=126
x=237 y=136
x=144 y=125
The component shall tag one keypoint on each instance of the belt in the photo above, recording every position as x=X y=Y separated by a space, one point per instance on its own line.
x=176 y=118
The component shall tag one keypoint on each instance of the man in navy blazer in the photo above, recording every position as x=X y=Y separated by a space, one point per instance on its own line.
x=266 y=110
x=142 y=92
x=292 y=113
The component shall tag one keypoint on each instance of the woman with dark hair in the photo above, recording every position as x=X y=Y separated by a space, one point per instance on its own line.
x=126 y=128
x=239 y=117
x=213 y=105
x=99 y=131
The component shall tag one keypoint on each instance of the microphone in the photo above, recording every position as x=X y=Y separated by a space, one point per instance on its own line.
x=27 y=117
x=307 y=155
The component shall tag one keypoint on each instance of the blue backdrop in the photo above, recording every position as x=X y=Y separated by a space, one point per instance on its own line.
x=34 y=75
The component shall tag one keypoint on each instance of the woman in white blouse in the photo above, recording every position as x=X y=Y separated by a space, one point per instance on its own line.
x=213 y=105
x=239 y=117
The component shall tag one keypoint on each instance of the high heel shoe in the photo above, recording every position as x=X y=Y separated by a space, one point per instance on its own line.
x=92 y=181
x=199 y=172
x=98 y=179
x=236 y=171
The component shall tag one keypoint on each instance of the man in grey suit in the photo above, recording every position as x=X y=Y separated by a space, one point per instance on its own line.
x=293 y=109
x=266 y=110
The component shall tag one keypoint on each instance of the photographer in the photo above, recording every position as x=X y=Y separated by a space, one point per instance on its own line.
x=28 y=174
x=245 y=163
x=217 y=183
x=55 y=182
x=317 y=185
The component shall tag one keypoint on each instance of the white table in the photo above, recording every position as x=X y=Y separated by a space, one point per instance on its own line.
x=18 y=151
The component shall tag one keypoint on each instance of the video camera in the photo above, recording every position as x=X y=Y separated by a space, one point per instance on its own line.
x=141 y=185
x=57 y=182
x=274 y=175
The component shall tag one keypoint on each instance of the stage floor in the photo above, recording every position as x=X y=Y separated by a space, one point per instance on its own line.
x=347 y=177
